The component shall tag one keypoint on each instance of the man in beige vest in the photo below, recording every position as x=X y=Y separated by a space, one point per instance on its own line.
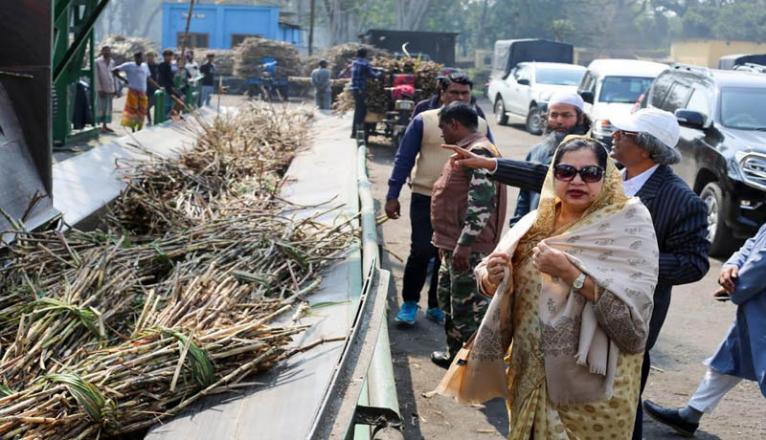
x=421 y=149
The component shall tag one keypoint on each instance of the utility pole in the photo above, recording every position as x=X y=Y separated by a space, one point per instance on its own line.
x=312 y=15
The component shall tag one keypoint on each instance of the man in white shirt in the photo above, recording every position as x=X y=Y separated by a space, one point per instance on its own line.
x=105 y=88
x=136 y=103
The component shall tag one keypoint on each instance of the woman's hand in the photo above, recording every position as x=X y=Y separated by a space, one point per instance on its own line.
x=553 y=262
x=496 y=265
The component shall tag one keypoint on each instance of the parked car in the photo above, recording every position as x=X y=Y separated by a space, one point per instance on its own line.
x=507 y=83
x=611 y=87
x=723 y=145
x=525 y=92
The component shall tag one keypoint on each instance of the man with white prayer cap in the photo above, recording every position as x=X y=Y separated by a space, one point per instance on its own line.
x=565 y=116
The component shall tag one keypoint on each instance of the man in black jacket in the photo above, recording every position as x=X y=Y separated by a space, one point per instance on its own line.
x=644 y=143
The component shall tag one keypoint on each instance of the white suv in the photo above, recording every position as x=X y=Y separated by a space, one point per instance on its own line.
x=611 y=88
x=524 y=93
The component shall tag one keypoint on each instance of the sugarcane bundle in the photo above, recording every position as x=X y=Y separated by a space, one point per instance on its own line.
x=378 y=99
x=339 y=57
x=248 y=152
x=157 y=373
x=103 y=332
x=124 y=47
x=250 y=56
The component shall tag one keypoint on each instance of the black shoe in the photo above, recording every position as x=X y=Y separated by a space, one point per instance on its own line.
x=671 y=418
x=441 y=358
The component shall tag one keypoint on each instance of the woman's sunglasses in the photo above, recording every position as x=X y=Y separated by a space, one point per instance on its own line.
x=589 y=174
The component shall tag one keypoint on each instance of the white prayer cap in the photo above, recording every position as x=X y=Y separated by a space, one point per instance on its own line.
x=570 y=98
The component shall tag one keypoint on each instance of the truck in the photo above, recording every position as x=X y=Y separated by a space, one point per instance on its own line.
x=525 y=73
x=436 y=46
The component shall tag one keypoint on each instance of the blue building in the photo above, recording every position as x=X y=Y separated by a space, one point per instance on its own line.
x=223 y=26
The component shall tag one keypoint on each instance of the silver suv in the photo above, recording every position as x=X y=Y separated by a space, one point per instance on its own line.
x=524 y=93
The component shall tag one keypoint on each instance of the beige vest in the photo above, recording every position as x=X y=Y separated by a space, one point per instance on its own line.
x=432 y=157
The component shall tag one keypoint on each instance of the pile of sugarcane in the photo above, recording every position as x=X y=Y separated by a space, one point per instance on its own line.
x=339 y=57
x=302 y=87
x=124 y=47
x=378 y=98
x=105 y=332
x=253 y=52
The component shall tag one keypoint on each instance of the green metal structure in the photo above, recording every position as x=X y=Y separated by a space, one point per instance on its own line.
x=73 y=58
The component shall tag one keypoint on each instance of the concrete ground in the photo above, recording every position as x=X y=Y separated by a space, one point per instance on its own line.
x=694 y=327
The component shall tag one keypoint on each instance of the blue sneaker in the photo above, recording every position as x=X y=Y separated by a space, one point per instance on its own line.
x=408 y=313
x=435 y=314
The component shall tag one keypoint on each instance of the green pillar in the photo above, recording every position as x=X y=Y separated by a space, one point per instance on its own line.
x=159 y=107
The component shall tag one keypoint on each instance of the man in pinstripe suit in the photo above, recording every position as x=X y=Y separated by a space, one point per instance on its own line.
x=644 y=144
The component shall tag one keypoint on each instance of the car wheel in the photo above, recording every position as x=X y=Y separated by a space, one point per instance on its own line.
x=721 y=240
x=534 y=120
x=500 y=115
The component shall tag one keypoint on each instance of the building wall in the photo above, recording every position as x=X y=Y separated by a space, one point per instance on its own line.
x=222 y=22
x=708 y=52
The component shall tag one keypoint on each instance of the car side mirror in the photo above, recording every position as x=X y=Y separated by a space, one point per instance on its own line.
x=523 y=82
x=691 y=119
x=587 y=97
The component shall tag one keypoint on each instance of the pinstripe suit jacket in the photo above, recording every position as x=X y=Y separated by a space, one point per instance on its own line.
x=679 y=218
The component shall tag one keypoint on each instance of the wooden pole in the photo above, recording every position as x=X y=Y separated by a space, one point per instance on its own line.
x=185 y=41
x=312 y=16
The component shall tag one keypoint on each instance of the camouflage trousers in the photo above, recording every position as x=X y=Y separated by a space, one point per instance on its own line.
x=461 y=301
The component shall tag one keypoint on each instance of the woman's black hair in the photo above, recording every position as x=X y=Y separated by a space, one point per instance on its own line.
x=578 y=144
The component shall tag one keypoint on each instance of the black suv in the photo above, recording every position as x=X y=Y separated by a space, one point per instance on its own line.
x=723 y=145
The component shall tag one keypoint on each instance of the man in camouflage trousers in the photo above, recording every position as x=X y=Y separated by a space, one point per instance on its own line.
x=467 y=214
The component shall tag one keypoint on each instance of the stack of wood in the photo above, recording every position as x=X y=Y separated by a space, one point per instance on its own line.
x=378 y=99
x=123 y=48
x=251 y=54
x=108 y=332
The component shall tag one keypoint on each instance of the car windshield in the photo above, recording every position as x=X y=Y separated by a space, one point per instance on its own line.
x=623 y=89
x=742 y=107
x=559 y=77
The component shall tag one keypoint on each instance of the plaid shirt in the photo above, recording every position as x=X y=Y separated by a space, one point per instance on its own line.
x=360 y=69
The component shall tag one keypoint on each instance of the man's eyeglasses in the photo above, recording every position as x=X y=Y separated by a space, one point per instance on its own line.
x=589 y=174
x=628 y=133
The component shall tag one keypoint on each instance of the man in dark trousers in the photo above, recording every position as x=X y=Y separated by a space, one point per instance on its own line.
x=166 y=74
x=361 y=69
x=208 y=71
x=152 y=81
x=644 y=143
x=420 y=159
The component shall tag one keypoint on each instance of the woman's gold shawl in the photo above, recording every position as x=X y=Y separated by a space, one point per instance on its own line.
x=614 y=243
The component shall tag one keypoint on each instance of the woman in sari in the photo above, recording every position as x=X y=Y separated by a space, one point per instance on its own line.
x=572 y=283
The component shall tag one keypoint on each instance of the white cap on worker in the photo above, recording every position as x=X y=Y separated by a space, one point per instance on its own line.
x=658 y=123
x=570 y=98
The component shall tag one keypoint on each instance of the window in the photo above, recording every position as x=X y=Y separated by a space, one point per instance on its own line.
x=623 y=89
x=660 y=89
x=699 y=101
x=742 y=108
x=559 y=77
x=522 y=72
x=677 y=97
x=237 y=39
x=588 y=83
x=195 y=40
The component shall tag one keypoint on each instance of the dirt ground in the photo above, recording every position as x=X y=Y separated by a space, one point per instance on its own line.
x=695 y=326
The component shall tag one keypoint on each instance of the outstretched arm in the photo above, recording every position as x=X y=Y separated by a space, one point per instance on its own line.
x=524 y=175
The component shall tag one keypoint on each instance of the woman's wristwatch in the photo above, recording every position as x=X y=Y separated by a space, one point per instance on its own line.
x=579 y=282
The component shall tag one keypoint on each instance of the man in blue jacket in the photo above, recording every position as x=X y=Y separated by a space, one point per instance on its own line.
x=742 y=355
